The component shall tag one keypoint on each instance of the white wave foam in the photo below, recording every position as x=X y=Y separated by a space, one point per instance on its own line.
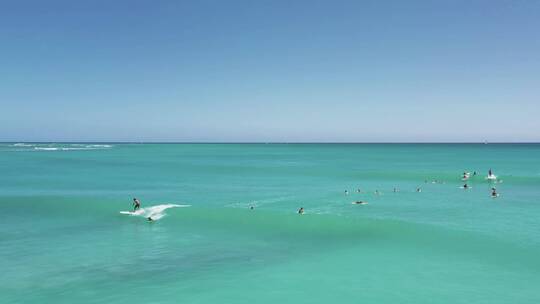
x=98 y=146
x=69 y=147
x=46 y=148
x=22 y=145
x=153 y=212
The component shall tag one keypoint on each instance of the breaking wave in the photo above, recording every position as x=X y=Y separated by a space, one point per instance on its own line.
x=153 y=212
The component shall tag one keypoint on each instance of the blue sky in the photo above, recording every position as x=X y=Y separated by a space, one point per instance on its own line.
x=287 y=71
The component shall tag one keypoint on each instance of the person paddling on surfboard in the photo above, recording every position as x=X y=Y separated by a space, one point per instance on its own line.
x=136 y=204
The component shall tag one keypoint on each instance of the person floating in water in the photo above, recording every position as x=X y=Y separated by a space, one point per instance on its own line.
x=136 y=204
x=360 y=202
x=301 y=210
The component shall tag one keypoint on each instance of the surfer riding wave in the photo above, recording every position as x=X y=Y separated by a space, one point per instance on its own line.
x=152 y=213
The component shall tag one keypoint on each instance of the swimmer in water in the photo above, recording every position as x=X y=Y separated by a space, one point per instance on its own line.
x=418 y=189
x=360 y=202
x=494 y=192
x=301 y=210
x=490 y=173
x=136 y=204
x=359 y=191
x=346 y=192
x=465 y=186
x=251 y=207
x=150 y=219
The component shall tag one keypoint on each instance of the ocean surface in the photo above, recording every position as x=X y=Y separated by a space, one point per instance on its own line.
x=64 y=240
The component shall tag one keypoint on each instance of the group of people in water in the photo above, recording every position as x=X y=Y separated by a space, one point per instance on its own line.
x=490 y=177
x=466 y=176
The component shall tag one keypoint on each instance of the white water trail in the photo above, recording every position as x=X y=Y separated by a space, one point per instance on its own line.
x=153 y=212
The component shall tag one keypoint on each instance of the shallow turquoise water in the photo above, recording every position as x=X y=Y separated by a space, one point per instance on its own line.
x=62 y=239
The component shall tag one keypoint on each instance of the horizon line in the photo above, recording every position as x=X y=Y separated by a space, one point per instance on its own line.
x=270 y=142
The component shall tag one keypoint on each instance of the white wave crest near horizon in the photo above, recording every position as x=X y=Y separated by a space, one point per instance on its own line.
x=46 y=148
x=99 y=146
x=22 y=145
x=153 y=212
x=85 y=148
x=68 y=147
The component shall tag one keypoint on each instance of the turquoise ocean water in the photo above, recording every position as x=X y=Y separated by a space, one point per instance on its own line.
x=63 y=240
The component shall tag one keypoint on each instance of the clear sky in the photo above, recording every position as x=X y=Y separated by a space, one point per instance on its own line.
x=287 y=71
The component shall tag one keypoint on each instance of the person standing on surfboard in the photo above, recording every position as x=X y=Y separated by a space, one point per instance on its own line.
x=136 y=204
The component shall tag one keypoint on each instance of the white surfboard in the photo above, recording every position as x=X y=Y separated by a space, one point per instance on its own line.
x=136 y=212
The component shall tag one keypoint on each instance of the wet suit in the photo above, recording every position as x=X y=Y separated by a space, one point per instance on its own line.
x=136 y=204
